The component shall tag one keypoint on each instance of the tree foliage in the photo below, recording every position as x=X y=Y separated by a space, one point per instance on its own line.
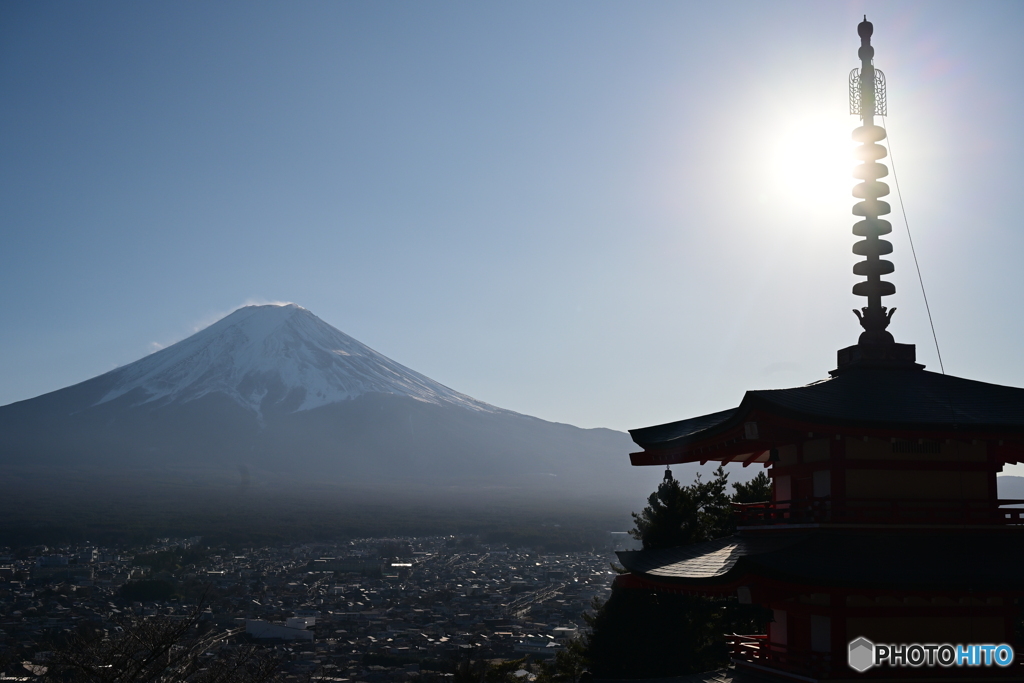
x=646 y=634
x=643 y=634
x=570 y=662
x=568 y=666
x=160 y=650
x=757 y=490
x=470 y=670
x=680 y=515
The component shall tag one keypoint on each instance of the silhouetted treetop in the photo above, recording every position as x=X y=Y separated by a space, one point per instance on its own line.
x=757 y=490
x=680 y=515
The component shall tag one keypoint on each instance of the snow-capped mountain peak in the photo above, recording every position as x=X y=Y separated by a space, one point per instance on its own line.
x=281 y=354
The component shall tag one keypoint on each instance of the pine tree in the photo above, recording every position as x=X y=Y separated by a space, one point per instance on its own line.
x=757 y=490
x=680 y=515
x=643 y=634
x=646 y=634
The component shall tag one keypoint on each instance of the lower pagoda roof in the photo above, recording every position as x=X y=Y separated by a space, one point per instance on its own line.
x=892 y=560
x=909 y=399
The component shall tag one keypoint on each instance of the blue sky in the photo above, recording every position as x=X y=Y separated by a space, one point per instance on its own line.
x=602 y=213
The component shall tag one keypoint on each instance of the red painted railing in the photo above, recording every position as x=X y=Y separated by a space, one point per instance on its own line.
x=879 y=511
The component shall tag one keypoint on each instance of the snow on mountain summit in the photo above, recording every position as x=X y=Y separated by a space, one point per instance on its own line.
x=272 y=353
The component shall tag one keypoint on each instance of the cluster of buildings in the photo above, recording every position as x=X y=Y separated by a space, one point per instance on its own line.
x=366 y=610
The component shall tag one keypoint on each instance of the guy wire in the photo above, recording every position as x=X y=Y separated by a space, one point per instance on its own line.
x=903 y=209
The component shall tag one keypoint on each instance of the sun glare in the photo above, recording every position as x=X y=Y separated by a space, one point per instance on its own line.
x=812 y=163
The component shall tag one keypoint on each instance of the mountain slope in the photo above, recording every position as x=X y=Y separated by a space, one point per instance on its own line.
x=284 y=356
x=276 y=392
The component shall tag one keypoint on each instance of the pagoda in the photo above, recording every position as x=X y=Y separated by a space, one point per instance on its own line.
x=885 y=526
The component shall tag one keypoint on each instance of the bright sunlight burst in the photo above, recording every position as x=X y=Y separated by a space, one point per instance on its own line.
x=812 y=162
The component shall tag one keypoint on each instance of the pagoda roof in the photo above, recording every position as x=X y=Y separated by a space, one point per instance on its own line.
x=704 y=561
x=863 y=397
x=896 y=560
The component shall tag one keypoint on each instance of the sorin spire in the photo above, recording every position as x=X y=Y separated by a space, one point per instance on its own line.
x=867 y=90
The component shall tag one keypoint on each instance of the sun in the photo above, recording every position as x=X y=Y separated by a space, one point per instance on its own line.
x=812 y=162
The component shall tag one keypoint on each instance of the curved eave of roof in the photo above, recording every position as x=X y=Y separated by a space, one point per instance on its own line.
x=876 y=398
x=711 y=562
x=686 y=431
x=983 y=561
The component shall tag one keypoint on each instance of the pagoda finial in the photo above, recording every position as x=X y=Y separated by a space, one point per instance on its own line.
x=867 y=99
x=876 y=347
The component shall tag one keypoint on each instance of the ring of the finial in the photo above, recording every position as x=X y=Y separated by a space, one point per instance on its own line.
x=866 y=53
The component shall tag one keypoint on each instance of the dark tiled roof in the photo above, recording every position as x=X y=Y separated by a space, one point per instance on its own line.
x=684 y=429
x=708 y=560
x=910 y=560
x=865 y=397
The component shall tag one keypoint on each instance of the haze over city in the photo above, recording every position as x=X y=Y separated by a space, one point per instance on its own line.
x=605 y=214
x=324 y=324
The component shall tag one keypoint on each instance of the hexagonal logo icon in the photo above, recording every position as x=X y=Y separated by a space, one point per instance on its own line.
x=862 y=654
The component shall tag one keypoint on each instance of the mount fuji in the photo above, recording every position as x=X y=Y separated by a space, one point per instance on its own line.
x=275 y=358
x=273 y=393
